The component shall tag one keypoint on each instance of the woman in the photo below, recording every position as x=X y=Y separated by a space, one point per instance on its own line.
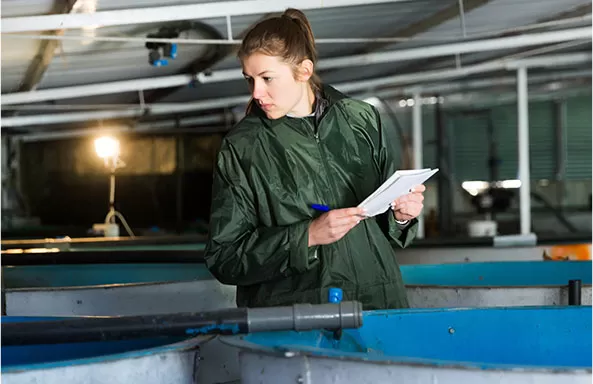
x=304 y=143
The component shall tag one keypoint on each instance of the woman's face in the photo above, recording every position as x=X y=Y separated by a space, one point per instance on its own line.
x=274 y=87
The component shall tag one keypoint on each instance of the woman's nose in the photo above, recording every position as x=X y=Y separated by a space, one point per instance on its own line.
x=258 y=90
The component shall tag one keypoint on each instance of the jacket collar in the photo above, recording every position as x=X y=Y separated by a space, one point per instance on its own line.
x=323 y=100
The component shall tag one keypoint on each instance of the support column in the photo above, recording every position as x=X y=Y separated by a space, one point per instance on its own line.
x=418 y=147
x=443 y=177
x=523 y=133
x=560 y=151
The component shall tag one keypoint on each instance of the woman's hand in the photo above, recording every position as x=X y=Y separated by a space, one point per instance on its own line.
x=409 y=206
x=333 y=225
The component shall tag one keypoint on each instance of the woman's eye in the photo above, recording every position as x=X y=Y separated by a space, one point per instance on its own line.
x=267 y=79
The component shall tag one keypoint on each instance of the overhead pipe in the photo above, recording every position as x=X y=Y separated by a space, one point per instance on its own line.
x=346 y=61
x=162 y=108
x=152 y=110
x=459 y=48
x=97 y=89
x=489 y=66
x=425 y=89
x=217 y=119
x=445 y=50
x=494 y=82
x=481 y=101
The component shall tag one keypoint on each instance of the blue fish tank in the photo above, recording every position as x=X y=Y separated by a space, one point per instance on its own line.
x=487 y=345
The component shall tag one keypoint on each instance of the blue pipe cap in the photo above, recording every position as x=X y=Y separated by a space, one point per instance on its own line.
x=335 y=295
x=160 y=63
x=173 y=51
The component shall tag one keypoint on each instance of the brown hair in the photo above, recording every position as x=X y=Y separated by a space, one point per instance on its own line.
x=288 y=36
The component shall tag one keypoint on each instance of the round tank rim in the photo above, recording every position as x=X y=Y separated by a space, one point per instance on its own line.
x=101 y=286
x=414 y=280
x=444 y=286
x=178 y=346
x=288 y=352
x=512 y=262
x=291 y=351
x=490 y=272
x=142 y=284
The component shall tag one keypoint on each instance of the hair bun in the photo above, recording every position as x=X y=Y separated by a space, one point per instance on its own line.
x=301 y=19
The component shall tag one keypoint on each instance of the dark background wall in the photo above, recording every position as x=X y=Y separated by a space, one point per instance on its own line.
x=166 y=181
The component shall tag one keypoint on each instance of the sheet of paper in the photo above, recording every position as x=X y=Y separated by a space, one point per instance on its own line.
x=399 y=184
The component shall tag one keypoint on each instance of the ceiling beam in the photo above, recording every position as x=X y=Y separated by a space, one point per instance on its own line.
x=170 y=13
x=46 y=52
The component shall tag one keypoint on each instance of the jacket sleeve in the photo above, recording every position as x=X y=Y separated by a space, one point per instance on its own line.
x=386 y=161
x=239 y=251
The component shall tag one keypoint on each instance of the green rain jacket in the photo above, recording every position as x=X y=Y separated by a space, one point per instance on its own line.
x=267 y=175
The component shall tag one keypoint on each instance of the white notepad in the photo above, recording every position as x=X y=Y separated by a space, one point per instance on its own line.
x=399 y=184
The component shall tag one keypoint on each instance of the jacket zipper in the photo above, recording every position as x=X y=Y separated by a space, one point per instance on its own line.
x=332 y=184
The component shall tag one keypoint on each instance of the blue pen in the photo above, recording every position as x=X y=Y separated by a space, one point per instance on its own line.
x=320 y=207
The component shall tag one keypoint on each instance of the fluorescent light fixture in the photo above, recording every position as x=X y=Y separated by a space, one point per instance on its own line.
x=476 y=187
x=509 y=184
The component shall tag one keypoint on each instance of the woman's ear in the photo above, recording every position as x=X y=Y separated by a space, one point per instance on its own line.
x=305 y=70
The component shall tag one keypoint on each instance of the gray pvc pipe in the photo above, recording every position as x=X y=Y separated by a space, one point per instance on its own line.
x=302 y=317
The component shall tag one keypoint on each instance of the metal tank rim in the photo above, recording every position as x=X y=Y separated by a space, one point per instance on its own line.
x=184 y=345
x=309 y=352
x=155 y=283
x=495 y=274
x=488 y=286
x=101 y=286
x=415 y=275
